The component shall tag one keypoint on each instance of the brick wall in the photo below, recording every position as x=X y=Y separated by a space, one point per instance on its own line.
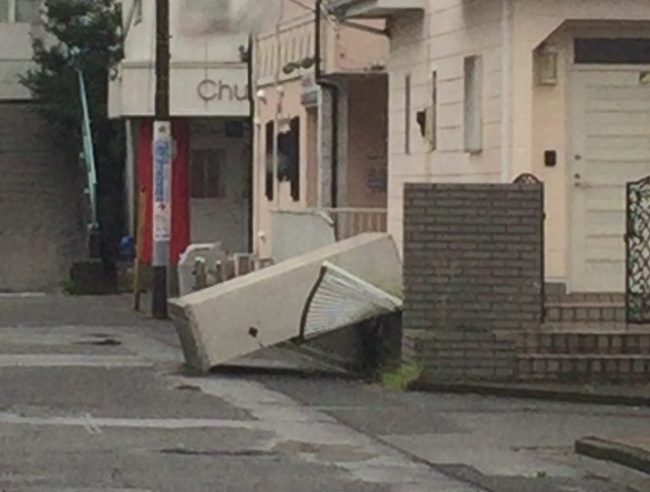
x=463 y=354
x=473 y=258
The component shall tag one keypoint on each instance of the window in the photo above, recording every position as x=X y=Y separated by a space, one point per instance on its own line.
x=431 y=133
x=27 y=10
x=407 y=114
x=207 y=174
x=19 y=10
x=289 y=161
x=137 y=14
x=427 y=118
x=473 y=104
x=613 y=50
x=270 y=135
x=4 y=10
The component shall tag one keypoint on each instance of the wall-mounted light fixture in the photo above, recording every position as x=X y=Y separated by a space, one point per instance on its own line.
x=546 y=65
x=261 y=96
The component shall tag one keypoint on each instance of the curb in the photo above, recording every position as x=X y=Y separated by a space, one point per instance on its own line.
x=536 y=393
x=622 y=454
x=254 y=370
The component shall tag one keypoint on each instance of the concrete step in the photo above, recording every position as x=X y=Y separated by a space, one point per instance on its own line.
x=593 y=327
x=597 y=342
x=585 y=307
x=583 y=367
x=586 y=298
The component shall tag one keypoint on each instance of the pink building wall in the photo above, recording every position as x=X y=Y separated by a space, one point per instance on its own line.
x=367 y=156
x=363 y=123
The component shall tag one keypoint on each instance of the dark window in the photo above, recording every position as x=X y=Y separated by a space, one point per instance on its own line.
x=613 y=51
x=206 y=175
x=235 y=129
x=270 y=135
x=289 y=150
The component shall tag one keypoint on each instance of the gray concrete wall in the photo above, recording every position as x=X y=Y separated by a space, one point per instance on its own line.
x=16 y=56
x=41 y=227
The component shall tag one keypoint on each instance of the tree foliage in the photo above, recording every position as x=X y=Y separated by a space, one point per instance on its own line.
x=84 y=34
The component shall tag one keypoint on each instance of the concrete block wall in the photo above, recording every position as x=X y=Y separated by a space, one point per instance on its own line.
x=41 y=223
x=473 y=258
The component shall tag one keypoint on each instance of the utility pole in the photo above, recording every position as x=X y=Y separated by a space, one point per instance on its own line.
x=162 y=165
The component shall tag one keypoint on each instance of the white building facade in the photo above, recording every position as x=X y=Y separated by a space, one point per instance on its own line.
x=558 y=89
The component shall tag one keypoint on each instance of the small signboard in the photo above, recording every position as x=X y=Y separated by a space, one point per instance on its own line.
x=310 y=91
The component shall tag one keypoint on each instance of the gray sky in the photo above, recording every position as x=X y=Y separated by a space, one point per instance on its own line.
x=209 y=16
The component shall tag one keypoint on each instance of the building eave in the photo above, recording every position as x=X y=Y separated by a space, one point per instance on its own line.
x=375 y=9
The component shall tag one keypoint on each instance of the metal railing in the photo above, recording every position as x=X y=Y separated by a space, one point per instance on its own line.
x=350 y=222
x=88 y=155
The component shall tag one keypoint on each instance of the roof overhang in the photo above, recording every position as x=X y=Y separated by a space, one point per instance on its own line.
x=369 y=9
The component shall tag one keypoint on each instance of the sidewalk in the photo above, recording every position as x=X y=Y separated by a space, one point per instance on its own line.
x=496 y=443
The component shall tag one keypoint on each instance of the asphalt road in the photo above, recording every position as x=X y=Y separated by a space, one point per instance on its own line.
x=95 y=399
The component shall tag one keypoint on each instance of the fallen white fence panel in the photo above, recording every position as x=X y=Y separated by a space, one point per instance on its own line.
x=268 y=307
x=340 y=299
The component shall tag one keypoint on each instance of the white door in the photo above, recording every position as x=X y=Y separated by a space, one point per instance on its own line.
x=611 y=146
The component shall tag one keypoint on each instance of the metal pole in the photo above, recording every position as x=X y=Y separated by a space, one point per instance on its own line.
x=278 y=107
x=162 y=165
x=334 y=101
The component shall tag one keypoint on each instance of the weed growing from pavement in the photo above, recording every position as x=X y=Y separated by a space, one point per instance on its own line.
x=403 y=378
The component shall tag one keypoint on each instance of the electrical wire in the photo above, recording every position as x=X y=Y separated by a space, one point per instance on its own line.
x=151 y=71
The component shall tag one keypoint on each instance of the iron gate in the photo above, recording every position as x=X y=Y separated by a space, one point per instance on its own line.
x=637 y=261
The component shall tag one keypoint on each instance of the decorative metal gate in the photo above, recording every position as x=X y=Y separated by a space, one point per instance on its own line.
x=637 y=239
